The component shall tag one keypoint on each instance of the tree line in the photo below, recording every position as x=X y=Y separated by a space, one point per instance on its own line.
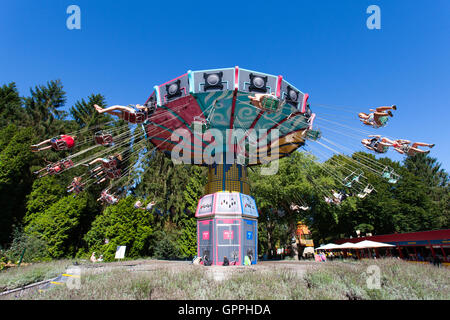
x=39 y=214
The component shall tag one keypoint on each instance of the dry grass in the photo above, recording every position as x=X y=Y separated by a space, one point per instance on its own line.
x=399 y=280
x=21 y=276
x=331 y=280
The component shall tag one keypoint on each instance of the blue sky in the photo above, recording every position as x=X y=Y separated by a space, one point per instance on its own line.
x=324 y=48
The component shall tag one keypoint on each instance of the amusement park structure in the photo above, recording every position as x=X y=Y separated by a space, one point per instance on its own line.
x=305 y=244
x=228 y=119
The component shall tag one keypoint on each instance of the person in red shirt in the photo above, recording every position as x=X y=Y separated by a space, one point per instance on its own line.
x=412 y=150
x=62 y=142
x=403 y=146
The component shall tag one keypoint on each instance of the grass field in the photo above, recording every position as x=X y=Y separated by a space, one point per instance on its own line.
x=281 y=280
x=18 y=277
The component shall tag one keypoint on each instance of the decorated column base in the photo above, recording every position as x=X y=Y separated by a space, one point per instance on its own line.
x=227 y=226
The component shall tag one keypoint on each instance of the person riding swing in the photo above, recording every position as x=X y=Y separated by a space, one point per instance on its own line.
x=129 y=114
x=59 y=143
x=76 y=186
x=378 y=117
x=376 y=144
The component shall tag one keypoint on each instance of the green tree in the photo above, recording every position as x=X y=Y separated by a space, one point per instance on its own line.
x=187 y=240
x=45 y=192
x=60 y=225
x=122 y=225
x=85 y=115
x=195 y=188
x=11 y=110
x=45 y=108
x=430 y=173
x=277 y=197
x=15 y=178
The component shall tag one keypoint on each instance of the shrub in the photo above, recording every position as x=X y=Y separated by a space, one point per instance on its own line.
x=35 y=248
x=59 y=225
x=166 y=245
x=122 y=225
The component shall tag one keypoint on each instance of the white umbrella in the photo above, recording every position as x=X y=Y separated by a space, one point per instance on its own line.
x=371 y=244
x=329 y=246
x=347 y=245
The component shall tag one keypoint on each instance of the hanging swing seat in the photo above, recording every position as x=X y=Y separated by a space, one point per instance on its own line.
x=136 y=117
x=270 y=103
x=394 y=178
x=199 y=123
x=103 y=138
x=110 y=164
x=388 y=173
x=53 y=169
x=58 y=144
x=351 y=178
x=77 y=187
x=367 y=190
x=313 y=135
x=328 y=200
x=113 y=174
x=67 y=163
x=362 y=195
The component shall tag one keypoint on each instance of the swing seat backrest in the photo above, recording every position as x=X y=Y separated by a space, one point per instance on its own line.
x=113 y=174
x=393 y=180
x=393 y=177
x=141 y=116
x=68 y=163
x=203 y=124
x=103 y=138
x=107 y=139
x=271 y=104
x=98 y=138
x=110 y=199
x=386 y=174
x=54 y=169
x=59 y=145
x=134 y=117
x=128 y=116
x=111 y=164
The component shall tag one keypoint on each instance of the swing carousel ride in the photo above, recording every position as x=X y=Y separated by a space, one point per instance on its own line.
x=227 y=120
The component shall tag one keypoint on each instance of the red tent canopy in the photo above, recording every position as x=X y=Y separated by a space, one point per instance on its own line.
x=425 y=237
